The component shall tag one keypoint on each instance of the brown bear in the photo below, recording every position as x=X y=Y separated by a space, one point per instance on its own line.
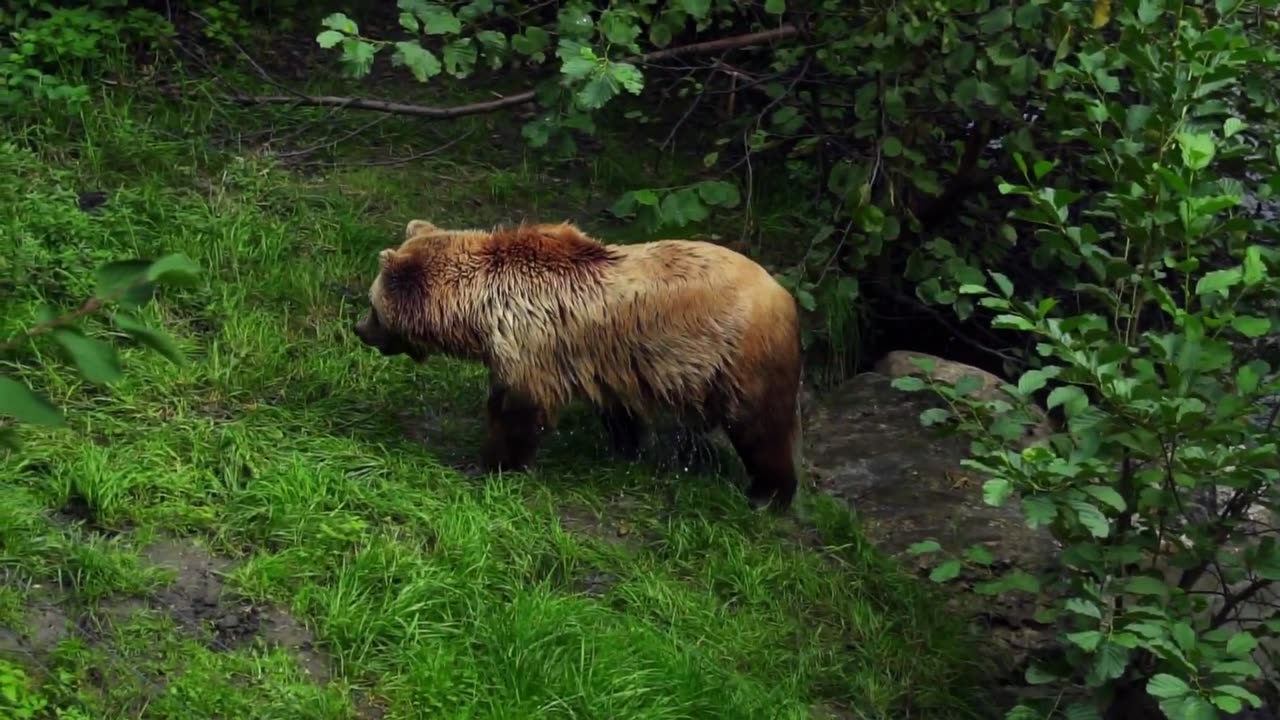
x=686 y=327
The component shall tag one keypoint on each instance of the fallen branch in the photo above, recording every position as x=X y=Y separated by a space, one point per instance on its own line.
x=478 y=108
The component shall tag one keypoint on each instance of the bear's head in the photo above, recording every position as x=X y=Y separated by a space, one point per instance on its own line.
x=382 y=327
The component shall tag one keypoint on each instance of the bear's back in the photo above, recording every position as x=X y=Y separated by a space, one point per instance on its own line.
x=662 y=325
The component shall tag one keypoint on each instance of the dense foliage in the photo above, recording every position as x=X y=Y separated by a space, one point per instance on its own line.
x=1083 y=185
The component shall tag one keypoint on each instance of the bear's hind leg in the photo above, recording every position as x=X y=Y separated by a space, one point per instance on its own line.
x=767 y=439
x=516 y=425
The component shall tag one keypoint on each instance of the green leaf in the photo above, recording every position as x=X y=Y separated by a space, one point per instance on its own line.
x=891 y=146
x=696 y=8
x=972 y=290
x=437 y=19
x=341 y=23
x=155 y=339
x=1254 y=271
x=597 y=92
x=997 y=20
x=619 y=28
x=494 y=44
x=1188 y=707
x=357 y=57
x=909 y=383
x=421 y=62
x=329 y=39
x=1071 y=397
x=1016 y=581
x=924 y=547
x=1149 y=11
x=1086 y=640
x=1091 y=518
x=1164 y=685
x=475 y=10
x=1145 y=585
x=1218 y=281
x=628 y=76
x=1231 y=126
x=1251 y=326
x=96 y=359
x=459 y=57
x=1247 y=380
x=176 y=269
x=1241 y=644
x=1136 y=117
x=1039 y=510
x=1031 y=381
x=409 y=22
x=996 y=491
x=1184 y=635
x=775 y=7
x=1001 y=280
x=806 y=299
x=978 y=555
x=25 y=405
x=1198 y=150
x=719 y=193
x=946 y=571
x=1011 y=322
x=1028 y=16
x=124 y=281
x=1228 y=704
x=1106 y=495
x=532 y=42
x=1236 y=691
x=1243 y=668
x=934 y=416
x=967 y=385
x=1037 y=675
x=1108 y=664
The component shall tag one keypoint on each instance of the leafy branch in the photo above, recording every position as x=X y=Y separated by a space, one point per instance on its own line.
x=488 y=106
x=127 y=284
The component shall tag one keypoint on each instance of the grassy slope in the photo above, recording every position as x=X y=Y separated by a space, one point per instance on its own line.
x=303 y=457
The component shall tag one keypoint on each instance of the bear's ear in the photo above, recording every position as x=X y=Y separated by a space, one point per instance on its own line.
x=418 y=226
x=386 y=258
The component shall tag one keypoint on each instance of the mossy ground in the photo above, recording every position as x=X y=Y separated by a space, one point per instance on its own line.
x=325 y=490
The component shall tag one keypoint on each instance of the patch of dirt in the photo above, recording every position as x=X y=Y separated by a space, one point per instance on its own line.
x=583 y=521
x=46 y=625
x=197 y=600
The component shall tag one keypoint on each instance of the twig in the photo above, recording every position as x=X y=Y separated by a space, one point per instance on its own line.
x=478 y=108
x=89 y=307
x=261 y=72
x=332 y=142
x=410 y=158
x=1236 y=600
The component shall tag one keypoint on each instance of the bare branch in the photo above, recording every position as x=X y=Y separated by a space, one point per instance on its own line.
x=478 y=108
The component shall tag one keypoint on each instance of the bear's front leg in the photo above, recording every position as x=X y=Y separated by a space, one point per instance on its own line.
x=516 y=424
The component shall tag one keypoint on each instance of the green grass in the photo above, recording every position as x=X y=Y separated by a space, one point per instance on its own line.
x=327 y=475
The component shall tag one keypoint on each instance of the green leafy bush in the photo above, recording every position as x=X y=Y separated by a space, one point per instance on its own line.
x=1163 y=485
x=46 y=50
